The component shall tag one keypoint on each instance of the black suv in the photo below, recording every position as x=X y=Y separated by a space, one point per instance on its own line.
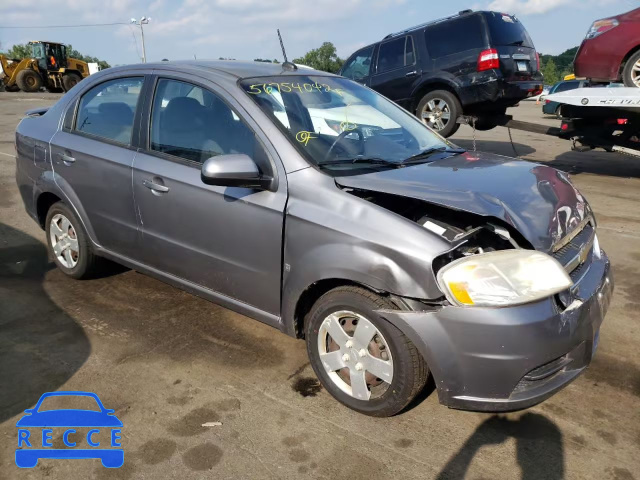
x=472 y=63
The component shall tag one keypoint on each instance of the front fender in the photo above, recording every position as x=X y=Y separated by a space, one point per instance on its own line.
x=333 y=235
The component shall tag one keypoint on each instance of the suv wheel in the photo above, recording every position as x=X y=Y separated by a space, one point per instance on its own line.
x=365 y=362
x=68 y=243
x=631 y=73
x=440 y=110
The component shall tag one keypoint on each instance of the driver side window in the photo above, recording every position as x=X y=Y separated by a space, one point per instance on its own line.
x=193 y=123
x=358 y=67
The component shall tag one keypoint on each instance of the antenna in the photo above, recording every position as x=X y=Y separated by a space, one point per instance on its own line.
x=287 y=64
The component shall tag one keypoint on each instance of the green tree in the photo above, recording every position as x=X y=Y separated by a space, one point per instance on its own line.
x=550 y=72
x=73 y=53
x=19 y=51
x=323 y=58
x=563 y=62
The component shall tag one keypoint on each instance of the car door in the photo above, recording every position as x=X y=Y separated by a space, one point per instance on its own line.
x=396 y=69
x=92 y=155
x=358 y=66
x=228 y=240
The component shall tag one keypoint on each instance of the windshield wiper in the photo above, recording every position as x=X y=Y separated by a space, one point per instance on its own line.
x=425 y=155
x=517 y=43
x=367 y=160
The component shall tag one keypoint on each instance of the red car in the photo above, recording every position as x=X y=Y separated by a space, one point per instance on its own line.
x=611 y=50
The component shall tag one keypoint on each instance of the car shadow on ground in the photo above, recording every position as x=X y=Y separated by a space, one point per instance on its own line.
x=499 y=148
x=539 y=447
x=41 y=346
x=598 y=162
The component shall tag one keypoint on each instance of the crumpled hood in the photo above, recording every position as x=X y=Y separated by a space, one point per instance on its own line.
x=539 y=201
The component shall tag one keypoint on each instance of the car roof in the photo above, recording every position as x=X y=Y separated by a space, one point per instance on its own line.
x=233 y=68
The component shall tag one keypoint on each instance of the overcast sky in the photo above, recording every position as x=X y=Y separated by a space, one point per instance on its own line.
x=246 y=29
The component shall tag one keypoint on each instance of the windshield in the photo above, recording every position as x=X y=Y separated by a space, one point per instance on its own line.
x=340 y=125
x=506 y=30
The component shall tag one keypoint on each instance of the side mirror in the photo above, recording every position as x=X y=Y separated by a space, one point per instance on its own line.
x=234 y=170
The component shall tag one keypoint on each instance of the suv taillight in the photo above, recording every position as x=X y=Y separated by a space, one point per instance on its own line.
x=601 y=26
x=539 y=67
x=488 y=60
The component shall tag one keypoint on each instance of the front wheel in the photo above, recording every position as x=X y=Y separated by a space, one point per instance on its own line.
x=364 y=361
x=439 y=110
x=631 y=73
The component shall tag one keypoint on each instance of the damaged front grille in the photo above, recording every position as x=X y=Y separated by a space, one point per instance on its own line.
x=575 y=256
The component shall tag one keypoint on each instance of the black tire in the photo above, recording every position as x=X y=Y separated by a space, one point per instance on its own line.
x=558 y=112
x=409 y=368
x=12 y=88
x=69 y=80
x=28 y=80
x=454 y=106
x=628 y=74
x=87 y=264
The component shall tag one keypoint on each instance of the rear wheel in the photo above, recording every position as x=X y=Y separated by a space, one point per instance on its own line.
x=364 y=361
x=439 y=110
x=631 y=73
x=28 y=80
x=68 y=243
x=70 y=80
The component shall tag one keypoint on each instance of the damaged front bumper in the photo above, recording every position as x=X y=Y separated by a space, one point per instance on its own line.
x=505 y=359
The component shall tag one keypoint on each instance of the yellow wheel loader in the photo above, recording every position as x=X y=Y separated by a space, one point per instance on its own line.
x=48 y=66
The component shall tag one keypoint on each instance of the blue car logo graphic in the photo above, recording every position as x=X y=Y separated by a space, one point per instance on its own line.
x=36 y=444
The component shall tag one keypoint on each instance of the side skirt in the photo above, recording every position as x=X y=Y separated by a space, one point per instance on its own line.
x=195 y=289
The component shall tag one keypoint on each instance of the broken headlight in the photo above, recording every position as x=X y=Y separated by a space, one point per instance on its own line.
x=503 y=278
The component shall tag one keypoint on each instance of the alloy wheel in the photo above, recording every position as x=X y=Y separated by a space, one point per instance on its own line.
x=635 y=74
x=64 y=241
x=436 y=114
x=355 y=355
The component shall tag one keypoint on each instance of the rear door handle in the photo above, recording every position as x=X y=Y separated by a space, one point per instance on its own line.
x=155 y=187
x=411 y=74
x=66 y=159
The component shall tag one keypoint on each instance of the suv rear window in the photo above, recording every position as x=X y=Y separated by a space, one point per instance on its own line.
x=455 y=36
x=507 y=30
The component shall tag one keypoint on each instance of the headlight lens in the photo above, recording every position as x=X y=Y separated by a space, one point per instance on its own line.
x=508 y=277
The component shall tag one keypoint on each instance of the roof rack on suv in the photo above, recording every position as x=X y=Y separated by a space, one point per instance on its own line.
x=432 y=22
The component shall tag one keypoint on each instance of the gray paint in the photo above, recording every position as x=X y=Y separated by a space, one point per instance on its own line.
x=257 y=251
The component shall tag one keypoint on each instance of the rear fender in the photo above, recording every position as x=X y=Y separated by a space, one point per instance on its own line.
x=50 y=182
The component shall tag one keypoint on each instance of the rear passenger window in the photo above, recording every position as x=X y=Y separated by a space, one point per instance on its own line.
x=108 y=109
x=190 y=122
x=455 y=36
x=391 y=55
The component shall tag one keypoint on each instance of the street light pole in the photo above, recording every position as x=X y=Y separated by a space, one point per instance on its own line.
x=143 y=21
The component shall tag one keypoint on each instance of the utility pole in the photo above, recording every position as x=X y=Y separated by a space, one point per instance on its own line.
x=143 y=21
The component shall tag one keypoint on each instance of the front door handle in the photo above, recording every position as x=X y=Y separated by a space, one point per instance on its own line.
x=155 y=186
x=411 y=74
x=66 y=159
